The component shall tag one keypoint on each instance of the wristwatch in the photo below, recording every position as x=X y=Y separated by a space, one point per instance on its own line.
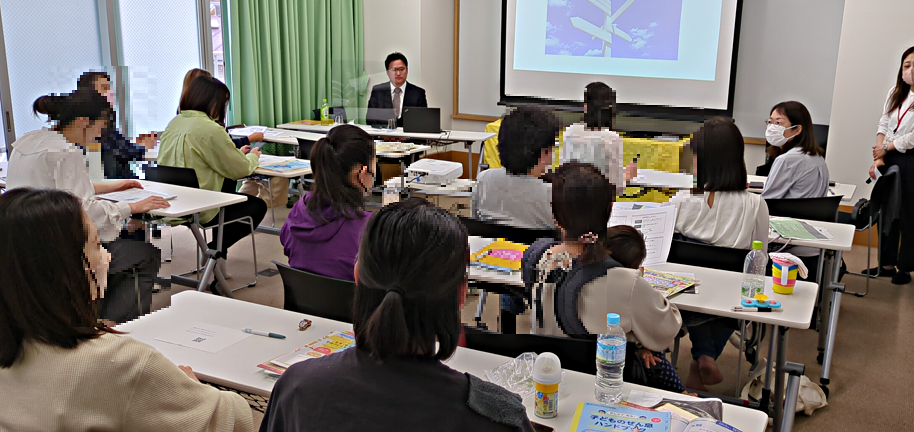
x=885 y=148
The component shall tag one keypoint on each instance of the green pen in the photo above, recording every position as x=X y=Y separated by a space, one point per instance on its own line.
x=263 y=333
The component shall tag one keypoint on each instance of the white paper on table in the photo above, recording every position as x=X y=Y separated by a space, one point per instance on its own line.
x=650 y=400
x=270 y=159
x=824 y=231
x=272 y=133
x=205 y=337
x=655 y=225
x=245 y=131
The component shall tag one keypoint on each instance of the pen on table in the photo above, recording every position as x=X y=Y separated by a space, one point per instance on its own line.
x=263 y=333
x=752 y=309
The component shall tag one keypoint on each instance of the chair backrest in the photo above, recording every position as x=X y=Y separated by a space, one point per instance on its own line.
x=304 y=148
x=705 y=255
x=823 y=209
x=177 y=176
x=575 y=354
x=476 y=227
x=821 y=133
x=316 y=295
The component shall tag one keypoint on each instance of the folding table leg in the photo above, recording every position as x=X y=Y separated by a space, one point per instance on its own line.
x=764 y=403
x=794 y=371
x=838 y=289
x=781 y=334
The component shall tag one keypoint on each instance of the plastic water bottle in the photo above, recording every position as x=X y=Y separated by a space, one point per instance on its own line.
x=610 y=361
x=325 y=114
x=754 y=272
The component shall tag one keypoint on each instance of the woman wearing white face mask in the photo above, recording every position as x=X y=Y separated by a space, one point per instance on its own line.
x=799 y=170
x=53 y=158
x=62 y=370
x=894 y=140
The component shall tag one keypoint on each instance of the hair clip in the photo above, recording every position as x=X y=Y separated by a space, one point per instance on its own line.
x=589 y=237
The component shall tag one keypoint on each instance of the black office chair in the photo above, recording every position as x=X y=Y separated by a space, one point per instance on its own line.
x=821 y=133
x=316 y=295
x=187 y=177
x=576 y=354
x=823 y=209
x=706 y=255
x=476 y=227
x=866 y=213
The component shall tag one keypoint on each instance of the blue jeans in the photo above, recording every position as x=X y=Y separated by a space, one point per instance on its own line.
x=709 y=334
x=513 y=305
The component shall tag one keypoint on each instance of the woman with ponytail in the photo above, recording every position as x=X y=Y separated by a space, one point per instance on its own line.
x=321 y=234
x=410 y=286
x=582 y=200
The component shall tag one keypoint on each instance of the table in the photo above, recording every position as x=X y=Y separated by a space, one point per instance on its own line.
x=845 y=190
x=191 y=201
x=718 y=293
x=467 y=137
x=662 y=179
x=236 y=365
x=459 y=185
x=829 y=270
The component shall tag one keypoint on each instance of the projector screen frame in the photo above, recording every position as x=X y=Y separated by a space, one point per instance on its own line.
x=630 y=109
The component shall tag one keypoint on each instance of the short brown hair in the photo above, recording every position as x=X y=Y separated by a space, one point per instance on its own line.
x=626 y=246
x=798 y=115
x=208 y=95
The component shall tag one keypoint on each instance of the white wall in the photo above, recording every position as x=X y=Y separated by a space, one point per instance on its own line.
x=390 y=25
x=867 y=66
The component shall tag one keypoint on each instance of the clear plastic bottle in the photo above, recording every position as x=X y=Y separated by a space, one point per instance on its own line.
x=754 y=272
x=325 y=114
x=610 y=361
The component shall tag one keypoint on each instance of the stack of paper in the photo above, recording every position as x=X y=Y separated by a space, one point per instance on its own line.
x=134 y=195
x=333 y=343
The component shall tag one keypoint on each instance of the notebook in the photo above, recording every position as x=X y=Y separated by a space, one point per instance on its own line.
x=332 y=343
x=668 y=284
x=500 y=255
x=134 y=195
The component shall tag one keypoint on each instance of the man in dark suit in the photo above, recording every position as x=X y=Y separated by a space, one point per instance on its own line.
x=388 y=99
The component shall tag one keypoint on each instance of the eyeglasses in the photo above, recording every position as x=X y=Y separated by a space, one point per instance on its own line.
x=397 y=70
x=769 y=122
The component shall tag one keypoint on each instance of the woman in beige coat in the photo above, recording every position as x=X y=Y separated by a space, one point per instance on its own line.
x=62 y=370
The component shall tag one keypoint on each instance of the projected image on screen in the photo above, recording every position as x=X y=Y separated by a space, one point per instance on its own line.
x=635 y=29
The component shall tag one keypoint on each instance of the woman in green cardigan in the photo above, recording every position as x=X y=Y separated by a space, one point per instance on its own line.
x=196 y=139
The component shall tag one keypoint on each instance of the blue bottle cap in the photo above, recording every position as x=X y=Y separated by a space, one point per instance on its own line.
x=613 y=319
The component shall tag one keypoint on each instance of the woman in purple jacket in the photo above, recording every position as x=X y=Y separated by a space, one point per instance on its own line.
x=321 y=234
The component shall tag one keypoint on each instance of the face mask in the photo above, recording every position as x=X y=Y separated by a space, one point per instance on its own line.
x=98 y=274
x=110 y=96
x=906 y=77
x=775 y=135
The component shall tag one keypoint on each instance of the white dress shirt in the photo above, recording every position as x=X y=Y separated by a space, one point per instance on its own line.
x=737 y=219
x=796 y=174
x=904 y=136
x=600 y=147
x=44 y=159
x=402 y=95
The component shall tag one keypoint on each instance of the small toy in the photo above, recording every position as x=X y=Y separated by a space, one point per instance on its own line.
x=761 y=302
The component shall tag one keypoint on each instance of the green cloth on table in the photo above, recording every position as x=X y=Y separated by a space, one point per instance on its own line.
x=193 y=140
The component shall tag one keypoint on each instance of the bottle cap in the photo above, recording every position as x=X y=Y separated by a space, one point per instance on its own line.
x=325 y=99
x=613 y=319
x=547 y=369
x=757 y=245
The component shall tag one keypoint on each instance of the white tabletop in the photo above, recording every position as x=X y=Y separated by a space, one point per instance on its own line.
x=236 y=365
x=190 y=200
x=843 y=236
x=718 y=291
x=398 y=133
x=845 y=190
x=458 y=185
x=662 y=179
x=288 y=137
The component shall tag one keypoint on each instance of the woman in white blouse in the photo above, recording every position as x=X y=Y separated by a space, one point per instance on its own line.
x=722 y=213
x=593 y=140
x=894 y=139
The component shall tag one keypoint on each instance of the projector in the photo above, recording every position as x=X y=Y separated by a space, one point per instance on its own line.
x=433 y=172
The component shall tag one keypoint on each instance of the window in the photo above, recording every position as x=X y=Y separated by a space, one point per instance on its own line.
x=215 y=12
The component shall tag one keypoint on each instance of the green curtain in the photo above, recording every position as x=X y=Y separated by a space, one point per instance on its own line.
x=284 y=57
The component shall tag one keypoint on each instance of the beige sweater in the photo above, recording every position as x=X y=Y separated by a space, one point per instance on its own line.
x=647 y=317
x=112 y=383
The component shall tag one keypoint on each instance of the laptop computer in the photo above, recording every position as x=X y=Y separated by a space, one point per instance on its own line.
x=421 y=120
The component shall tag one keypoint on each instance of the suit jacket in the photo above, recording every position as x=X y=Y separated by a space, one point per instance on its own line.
x=381 y=104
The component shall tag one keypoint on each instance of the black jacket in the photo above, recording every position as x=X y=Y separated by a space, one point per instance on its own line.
x=381 y=105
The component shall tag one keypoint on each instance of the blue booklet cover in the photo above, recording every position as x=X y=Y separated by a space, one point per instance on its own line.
x=592 y=417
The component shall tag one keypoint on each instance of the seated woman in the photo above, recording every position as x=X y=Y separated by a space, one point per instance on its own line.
x=240 y=141
x=54 y=158
x=799 y=170
x=60 y=368
x=117 y=151
x=723 y=213
x=410 y=285
x=593 y=140
x=321 y=234
x=196 y=139
x=581 y=203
